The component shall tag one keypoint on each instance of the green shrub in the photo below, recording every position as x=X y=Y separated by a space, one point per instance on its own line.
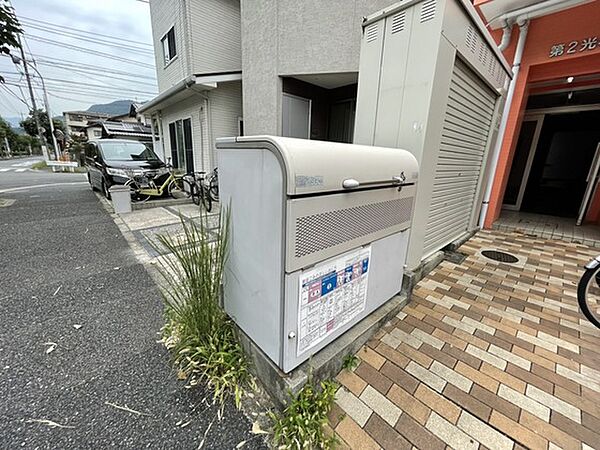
x=350 y=362
x=201 y=337
x=302 y=423
x=40 y=165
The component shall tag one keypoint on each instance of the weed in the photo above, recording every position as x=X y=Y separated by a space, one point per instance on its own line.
x=350 y=362
x=40 y=165
x=301 y=425
x=201 y=337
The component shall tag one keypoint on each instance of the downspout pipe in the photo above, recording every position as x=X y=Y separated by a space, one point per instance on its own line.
x=523 y=28
x=506 y=35
x=206 y=99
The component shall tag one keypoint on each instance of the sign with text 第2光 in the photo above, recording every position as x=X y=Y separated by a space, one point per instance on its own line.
x=587 y=44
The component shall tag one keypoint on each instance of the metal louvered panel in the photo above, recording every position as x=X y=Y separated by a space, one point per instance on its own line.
x=427 y=10
x=469 y=113
x=325 y=226
x=398 y=22
x=371 y=32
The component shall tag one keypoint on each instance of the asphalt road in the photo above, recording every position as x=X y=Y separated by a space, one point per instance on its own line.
x=69 y=281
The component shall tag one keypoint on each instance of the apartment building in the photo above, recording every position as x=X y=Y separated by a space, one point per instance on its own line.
x=283 y=67
x=547 y=172
x=199 y=70
x=299 y=62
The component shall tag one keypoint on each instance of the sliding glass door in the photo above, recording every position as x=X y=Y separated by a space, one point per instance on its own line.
x=182 y=151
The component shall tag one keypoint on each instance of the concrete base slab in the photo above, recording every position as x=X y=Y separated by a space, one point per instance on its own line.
x=188 y=210
x=161 y=202
x=325 y=364
x=149 y=218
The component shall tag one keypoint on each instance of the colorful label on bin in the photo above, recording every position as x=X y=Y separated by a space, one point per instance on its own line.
x=330 y=296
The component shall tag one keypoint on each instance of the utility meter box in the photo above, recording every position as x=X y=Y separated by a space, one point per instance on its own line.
x=319 y=233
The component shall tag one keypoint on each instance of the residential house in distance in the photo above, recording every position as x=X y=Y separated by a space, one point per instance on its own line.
x=130 y=125
x=113 y=129
x=77 y=121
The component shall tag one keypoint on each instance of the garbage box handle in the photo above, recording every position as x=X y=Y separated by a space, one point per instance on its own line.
x=350 y=183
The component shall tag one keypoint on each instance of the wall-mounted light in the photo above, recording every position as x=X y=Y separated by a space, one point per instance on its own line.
x=570 y=79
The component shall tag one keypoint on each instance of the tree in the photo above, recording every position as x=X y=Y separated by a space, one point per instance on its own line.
x=18 y=143
x=10 y=29
x=31 y=129
x=6 y=133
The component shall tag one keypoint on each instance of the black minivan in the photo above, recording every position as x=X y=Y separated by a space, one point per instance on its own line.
x=113 y=161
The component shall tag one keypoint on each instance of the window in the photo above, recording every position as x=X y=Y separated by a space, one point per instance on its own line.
x=127 y=151
x=168 y=46
x=182 y=152
x=90 y=151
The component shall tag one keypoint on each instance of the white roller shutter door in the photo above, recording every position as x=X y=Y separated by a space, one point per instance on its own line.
x=467 y=125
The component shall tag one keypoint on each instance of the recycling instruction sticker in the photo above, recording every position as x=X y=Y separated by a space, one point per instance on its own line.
x=331 y=295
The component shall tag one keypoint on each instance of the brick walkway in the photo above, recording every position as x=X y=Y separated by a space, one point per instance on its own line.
x=486 y=355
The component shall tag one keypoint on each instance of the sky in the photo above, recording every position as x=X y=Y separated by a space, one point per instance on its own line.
x=114 y=59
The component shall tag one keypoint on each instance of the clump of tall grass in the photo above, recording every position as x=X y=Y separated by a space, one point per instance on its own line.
x=302 y=424
x=202 y=338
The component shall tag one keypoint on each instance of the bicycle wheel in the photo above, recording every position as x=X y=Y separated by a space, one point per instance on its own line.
x=136 y=196
x=206 y=200
x=588 y=293
x=195 y=194
x=213 y=190
x=176 y=188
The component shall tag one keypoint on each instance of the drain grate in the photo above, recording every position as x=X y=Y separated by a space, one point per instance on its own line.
x=500 y=256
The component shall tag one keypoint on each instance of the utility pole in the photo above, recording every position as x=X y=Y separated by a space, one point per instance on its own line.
x=47 y=105
x=7 y=146
x=33 y=104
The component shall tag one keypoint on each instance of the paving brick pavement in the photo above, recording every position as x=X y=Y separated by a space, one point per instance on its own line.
x=486 y=355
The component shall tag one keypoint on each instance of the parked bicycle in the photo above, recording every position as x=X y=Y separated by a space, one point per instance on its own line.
x=213 y=185
x=588 y=291
x=200 y=189
x=144 y=186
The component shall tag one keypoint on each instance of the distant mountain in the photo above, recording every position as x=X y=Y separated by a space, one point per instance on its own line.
x=115 y=108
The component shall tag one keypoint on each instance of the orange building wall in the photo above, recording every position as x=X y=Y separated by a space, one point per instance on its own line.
x=560 y=28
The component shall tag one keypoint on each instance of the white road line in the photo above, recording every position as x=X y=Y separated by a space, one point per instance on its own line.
x=20 y=170
x=4 y=170
x=24 y=188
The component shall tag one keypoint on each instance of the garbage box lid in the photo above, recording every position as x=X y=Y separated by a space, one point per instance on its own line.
x=319 y=166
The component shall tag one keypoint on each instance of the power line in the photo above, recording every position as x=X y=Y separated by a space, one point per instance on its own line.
x=77 y=99
x=90 y=67
x=83 y=91
x=90 y=39
x=89 y=74
x=91 y=96
x=96 y=86
x=91 y=52
x=9 y=101
x=14 y=95
x=87 y=88
x=61 y=81
x=78 y=30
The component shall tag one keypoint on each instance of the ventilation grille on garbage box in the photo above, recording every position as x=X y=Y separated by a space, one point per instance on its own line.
x=317 y=232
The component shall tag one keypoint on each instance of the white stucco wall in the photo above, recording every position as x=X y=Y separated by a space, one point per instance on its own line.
x=290 y=37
